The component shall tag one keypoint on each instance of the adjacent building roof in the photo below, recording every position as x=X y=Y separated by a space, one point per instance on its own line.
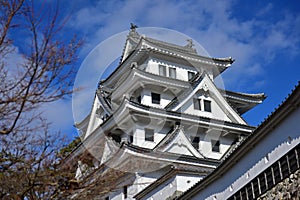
x=291 y=103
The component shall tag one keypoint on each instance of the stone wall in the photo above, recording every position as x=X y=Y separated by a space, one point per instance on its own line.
x=289 y=188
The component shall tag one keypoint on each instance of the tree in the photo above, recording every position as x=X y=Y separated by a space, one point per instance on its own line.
x=29 y=151
x=47 y=69
x=29 y=165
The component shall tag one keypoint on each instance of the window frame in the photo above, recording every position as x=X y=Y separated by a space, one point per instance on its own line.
x=149 y=134
x=197 y=104
x=153 y=100
x=207 y=105
x=172 y=72
x=162 y=70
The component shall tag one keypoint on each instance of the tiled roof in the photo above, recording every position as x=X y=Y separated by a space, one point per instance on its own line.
x=285 y=108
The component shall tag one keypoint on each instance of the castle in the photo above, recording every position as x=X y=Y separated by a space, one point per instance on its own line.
x=159 y=127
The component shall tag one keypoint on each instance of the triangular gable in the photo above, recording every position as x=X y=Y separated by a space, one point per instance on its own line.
x=206 y=85
x=109 y=149
x=97 y=115
x=130 y=44
x=176 y=142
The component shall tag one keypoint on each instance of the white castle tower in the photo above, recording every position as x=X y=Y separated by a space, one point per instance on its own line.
x=158 y=123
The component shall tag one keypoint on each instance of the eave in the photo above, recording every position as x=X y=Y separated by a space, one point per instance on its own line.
x=139 y=78
x=133 y=108
x=243 y=102
x=182 y=53
x=83 y=123
x=173 y=171
x=146 y=45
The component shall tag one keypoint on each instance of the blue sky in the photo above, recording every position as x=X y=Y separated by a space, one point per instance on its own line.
x=262 y=36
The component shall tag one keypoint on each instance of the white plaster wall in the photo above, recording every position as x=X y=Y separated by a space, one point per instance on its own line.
x=146 y=98
x=205 y=146
x=94 y=121
x=139 y=135
x=178 y=149
x=118 y=195
x=180 y=182
x=185 y=181
x=163 y=191
x=216 y=111
x=181 y=70
x=275 y=145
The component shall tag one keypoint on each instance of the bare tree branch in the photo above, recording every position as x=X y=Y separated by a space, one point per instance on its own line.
x=47 y=71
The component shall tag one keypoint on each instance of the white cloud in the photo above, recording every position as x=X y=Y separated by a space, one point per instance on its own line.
x=252 y=42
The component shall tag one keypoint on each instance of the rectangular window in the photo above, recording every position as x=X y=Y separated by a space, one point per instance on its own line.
x=191 y=75
x=269 y=176
x=255 y=188
x=243 y=194
x=215 y=145
x=197 y=104
x=195 y=142
x=162 y=70
x=276 y=172
x=262 y=183
x=149 y=135
x=207 y=105
x=284 y=167
x=155 y=98
x=292 y=161
x=172 y=72
x=125 y=192
x=249 y=191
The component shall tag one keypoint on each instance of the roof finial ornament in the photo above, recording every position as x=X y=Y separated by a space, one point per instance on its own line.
x=190 y=43
x=133 y=27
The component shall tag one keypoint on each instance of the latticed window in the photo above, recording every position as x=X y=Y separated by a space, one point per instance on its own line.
x=197 y=104
x=262 y=182
x=284 y=167
x=162 y=70
x=172 y=72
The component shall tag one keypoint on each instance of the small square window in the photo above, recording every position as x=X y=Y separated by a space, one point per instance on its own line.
x=207 y=105
x=172 y=72
x=197 y=104
x=215 y=145
x=155 y=98
x=191 y=75
x=149 y=135
x=162 y=70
